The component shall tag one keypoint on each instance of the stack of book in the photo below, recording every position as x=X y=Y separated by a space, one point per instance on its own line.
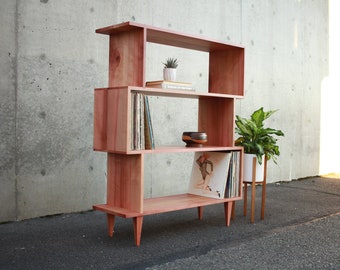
x=170 y=85
x=216 y=174
x=141 y=125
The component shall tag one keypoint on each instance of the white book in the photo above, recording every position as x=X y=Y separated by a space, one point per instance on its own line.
x=170 y=85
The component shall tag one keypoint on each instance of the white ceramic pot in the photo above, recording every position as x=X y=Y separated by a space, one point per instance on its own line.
x=248 y=168
x=169 y=74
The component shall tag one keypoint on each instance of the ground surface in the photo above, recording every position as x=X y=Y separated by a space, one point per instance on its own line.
x=301 y=230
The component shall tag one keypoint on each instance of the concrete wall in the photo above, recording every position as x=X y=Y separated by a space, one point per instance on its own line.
x=51 y=60
x=287 y=59
x=8 y=47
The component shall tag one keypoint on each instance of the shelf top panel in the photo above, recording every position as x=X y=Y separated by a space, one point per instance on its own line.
x=170 y=92
x=180 y=93
x=168 y=37
x=181 y=149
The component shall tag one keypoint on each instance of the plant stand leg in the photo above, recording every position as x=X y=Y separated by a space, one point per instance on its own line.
x=263 y=203
x=253 y=190
x=245 y=198
x=227 y=212
x=137 y=226
x=200 y=212
x=110 y=224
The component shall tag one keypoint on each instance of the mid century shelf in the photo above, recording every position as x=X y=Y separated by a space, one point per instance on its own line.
x=112 y=118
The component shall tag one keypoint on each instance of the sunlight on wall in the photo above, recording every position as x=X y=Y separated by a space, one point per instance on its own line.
x=330 y=97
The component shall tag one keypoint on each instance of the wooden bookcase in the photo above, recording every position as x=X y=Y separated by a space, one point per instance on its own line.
x=112 y=118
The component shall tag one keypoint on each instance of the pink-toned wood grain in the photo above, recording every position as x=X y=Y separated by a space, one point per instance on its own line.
x=167 y=37
x=179 y=202
x=118 y=120
x=110 y=224
x=116 y=211
x=100 y=120
x=137 y=226
x=226 y=71
x=111 y=120
x=216 y=118
x=227 y=212
x=125 y=186
x=127 y=58
x=164 y=204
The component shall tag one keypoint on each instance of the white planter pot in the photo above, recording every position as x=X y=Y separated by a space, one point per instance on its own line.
x=248 y=168
x=169 y=74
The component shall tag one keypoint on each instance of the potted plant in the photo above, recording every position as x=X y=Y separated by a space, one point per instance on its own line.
x=258 y=141
x=169 y=71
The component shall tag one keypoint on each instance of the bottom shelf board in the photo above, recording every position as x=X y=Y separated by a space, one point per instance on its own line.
x=164 y=204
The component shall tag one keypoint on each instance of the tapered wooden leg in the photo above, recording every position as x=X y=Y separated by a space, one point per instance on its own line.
x=233 y=210
x=227 y=212
x=200 y=212
x=137 y=226
x=110 y=224
x=245 y=198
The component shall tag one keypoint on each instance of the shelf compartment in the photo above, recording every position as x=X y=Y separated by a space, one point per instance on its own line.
x=112 y=118
x=216 y=118
x=164 y=204
x=167 y=37
x=179 y=202
x=127 y=56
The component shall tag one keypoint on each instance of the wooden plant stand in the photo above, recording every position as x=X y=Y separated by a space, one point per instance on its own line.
x=253 y=191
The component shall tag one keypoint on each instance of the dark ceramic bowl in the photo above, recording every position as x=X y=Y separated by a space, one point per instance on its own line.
x=194 y=139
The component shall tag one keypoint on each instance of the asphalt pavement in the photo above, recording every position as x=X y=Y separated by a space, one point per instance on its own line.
x=301 y=230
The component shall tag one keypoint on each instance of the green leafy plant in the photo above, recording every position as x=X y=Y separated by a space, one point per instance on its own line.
x=171 y=63
x=255 y=138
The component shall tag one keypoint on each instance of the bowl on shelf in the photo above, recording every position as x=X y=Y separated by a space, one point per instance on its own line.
x=194 y=139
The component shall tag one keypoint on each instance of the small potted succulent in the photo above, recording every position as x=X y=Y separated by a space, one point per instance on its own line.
x=169 y=71
x=258 y=141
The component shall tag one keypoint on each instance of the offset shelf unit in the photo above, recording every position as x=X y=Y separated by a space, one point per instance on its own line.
x=112 y=118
